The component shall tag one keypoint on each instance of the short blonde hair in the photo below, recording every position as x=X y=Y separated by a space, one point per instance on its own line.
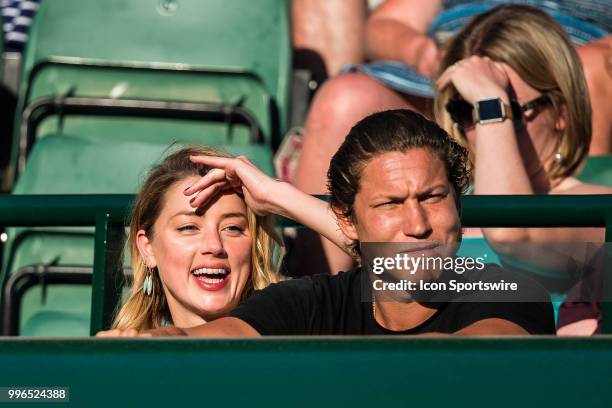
x=144 y=312
x=539 y=51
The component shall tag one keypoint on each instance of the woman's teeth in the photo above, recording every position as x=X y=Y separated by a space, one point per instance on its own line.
x=211 y=275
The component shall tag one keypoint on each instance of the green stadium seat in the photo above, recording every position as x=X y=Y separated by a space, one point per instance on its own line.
x=63 y=312
x=62 y=164
x=224 y=36
x=478 y=247
x=597 y=170
x=209 y=51
x=147 y=84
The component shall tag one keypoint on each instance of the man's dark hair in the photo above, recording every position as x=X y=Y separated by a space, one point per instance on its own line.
x=391 y=131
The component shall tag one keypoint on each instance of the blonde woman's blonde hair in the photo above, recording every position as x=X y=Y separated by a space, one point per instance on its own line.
x=539 y=51
x=144 y=312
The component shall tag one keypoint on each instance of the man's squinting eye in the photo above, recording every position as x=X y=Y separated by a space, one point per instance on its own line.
x=389 y=203
x=433 y=198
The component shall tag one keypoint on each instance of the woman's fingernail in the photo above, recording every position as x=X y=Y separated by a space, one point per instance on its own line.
x=185 y=190
x=192 y=200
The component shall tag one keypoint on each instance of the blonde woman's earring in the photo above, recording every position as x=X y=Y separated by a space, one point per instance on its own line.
x=147 y=286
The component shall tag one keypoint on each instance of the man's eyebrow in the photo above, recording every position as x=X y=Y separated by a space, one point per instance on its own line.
x=429 y=189
x=435 y=189
x=395 y=195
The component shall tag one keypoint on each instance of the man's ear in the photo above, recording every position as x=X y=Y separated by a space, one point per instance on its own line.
x=347 y=226
x=146 y=249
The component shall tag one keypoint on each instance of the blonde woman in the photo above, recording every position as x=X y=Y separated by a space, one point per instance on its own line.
x=512 y=89
x=193 y=265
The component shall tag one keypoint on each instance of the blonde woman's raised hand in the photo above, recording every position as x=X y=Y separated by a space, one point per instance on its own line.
x=237 y=174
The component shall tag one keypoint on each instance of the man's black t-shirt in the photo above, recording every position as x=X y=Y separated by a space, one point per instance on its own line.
x=332 y=305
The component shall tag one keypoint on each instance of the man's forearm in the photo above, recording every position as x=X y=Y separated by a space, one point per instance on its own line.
x=224 y=327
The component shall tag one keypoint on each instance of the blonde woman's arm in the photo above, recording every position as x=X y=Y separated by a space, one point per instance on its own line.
x=264 y=195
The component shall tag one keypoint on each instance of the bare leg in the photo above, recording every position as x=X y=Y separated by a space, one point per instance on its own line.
x=334 y=29
x=339 y=104
x=596 y=59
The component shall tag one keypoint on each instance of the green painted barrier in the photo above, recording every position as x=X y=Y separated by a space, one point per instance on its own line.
x=313 y=372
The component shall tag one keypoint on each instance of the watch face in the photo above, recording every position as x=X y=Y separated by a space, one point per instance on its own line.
x=490 y=109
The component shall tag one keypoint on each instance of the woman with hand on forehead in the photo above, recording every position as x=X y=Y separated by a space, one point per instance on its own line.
x=512 y=89
x=195 y=258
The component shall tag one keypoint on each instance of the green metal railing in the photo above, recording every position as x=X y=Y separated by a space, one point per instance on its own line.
x=109 y=212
